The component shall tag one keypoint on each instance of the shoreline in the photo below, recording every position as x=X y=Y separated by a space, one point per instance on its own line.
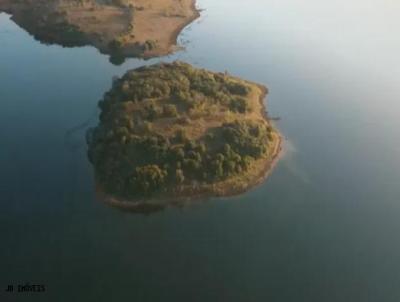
x=203 y=194
x=173 y=45
x=175 y=34
x=40 y=26
x=156 y=205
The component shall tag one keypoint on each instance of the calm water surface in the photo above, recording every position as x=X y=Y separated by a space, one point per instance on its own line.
x=324 y=227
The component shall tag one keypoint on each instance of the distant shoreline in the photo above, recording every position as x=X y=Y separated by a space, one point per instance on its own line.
x=142 y=31
x=175 y=35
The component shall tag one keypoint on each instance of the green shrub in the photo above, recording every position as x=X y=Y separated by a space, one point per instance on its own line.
x=169 y=110
x=238 y=105
x=147 y=179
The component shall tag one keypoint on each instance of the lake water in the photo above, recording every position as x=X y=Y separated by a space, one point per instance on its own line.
x=324 y=227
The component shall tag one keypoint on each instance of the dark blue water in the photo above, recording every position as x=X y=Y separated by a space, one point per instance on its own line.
x=323 y=228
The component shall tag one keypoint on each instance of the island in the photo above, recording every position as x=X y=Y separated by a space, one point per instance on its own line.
x=170 y=133
x=120 y=28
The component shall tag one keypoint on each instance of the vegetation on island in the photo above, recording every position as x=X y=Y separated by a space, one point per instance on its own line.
x=173 y=130
x=120 y=28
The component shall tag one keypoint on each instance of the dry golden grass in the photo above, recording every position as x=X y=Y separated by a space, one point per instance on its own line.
x=208 y=117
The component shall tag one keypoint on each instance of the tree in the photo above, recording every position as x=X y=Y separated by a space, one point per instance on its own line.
x=148 y=179
x=238 y=105
x=169 y=110
x=115 y=45
x=181 y=136
x=179 y=177
x=237 y=88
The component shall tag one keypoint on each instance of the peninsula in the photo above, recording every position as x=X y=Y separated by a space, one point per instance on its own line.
x=170 y=132
x=120 y=28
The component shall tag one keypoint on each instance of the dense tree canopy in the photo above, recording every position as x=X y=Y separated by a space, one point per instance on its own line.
x=170 y=125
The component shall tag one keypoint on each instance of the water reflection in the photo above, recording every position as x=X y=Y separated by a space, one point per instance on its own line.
x=73 y=136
